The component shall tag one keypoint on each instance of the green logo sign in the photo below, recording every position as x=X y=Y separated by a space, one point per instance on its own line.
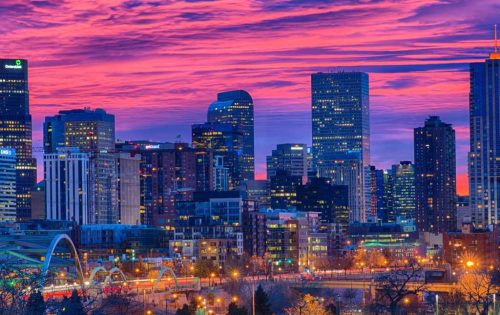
x=18 y=65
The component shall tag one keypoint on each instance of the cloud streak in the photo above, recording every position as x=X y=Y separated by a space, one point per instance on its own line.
x=164 y=61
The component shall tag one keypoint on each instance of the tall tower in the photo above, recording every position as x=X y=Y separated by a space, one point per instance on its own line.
x=91 y=131
x=15 y=129
x=435 y=176
x=236 y=108
x=341 y=133
x=484 y=155
x=403 y=175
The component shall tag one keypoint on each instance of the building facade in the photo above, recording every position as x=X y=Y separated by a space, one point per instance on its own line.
x=7 y=184
x=283 y=190
x=484 y=155
x=403 y=176
x=91 y=131
x=129 y=187
x=289 y=157
x=167 y=176
x=16 y=129
x=69 y=186
x=236 y=108
x=224 y=140
x=435 y=176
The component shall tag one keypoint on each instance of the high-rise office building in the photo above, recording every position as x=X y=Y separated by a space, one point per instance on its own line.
x=484 y=155
x=289 y=157
x=91 y=131
x=351 y=174
x=69 y=186
x=435 y=176
x=167 y=176
x=340 y=116
x=341 y=133
x=15 y=129
x=7 y=184
x=403 y=175
x=236 y=108
x=129 y=190
x=223 y=140
x=332 y=201
x=385 y=211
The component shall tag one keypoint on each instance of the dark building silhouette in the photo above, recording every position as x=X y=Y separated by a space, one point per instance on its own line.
x=435 y=176
x=332 y=201
x=15 y=129
x=284 y=190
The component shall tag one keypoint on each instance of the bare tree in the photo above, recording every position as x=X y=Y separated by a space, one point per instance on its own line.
x=394 y=286
x=478 y=287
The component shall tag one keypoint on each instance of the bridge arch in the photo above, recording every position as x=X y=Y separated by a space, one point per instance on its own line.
x=163 y=270
x=113 y=271
x=94 y=273
x=50 y=251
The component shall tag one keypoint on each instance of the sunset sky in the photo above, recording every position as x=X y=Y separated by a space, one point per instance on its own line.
x=158 y=64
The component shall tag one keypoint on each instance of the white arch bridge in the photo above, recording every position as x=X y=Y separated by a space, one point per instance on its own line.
x=42 y=254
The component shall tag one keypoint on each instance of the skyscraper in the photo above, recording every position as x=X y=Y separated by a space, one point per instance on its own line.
x=236 y=108
x=340 y=116
x=15 y=129
x=289 y=157
x=484 y=155
x=69 y=186
x=435 y=176
x=7 y=184
x=91 y=131
x=403 y=175
x=341 y=133
x=222 y=140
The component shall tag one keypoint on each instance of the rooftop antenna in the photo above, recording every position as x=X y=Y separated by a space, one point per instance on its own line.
x=496 y=44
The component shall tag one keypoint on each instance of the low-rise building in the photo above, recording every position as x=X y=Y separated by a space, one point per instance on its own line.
x=471 y=247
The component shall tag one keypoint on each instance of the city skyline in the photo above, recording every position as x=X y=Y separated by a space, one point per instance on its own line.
x=138 y=61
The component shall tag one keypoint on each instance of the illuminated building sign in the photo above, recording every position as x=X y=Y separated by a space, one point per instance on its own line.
x=18 y=65
x=7 y=152
x=297 y=148
x=151 y=146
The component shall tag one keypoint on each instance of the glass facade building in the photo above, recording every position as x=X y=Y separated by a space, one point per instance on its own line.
x=289 y=157
x=15 y=129
x=222 y=140
x=236 y=108
x=7 y=184
x=340 y=116
x=484 y=155
x=91 y=131
x=341 y=134
x=435 y=176
x=403 y=175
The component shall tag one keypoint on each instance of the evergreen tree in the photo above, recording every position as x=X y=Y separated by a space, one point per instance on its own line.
x=183 y=311
x=262 y=305
x=233 y=309
x=36 y=304
x=73 y=305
